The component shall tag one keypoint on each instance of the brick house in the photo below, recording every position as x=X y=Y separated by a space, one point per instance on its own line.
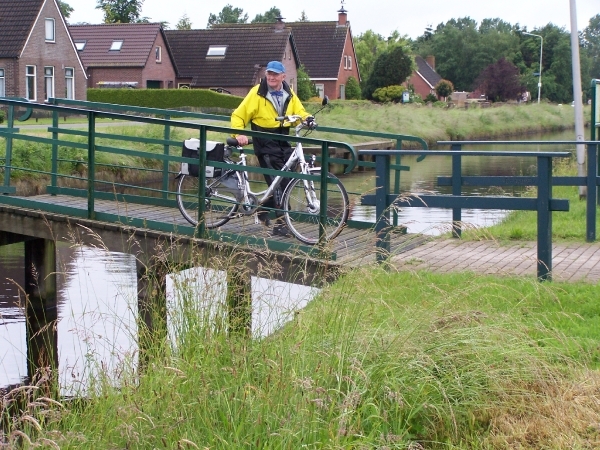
x=326 y=50
x=231 y=58
x=38 y=59
x=125 y=55
x=424 y=78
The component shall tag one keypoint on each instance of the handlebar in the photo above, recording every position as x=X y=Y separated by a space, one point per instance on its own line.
x=233 y=142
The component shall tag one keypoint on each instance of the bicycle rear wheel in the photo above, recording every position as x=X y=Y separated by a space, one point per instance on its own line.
x=220 y=202
x=302 y=208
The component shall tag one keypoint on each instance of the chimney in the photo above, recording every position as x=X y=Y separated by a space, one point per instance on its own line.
x=431 y=61
x=342 y=16
x=279 y=25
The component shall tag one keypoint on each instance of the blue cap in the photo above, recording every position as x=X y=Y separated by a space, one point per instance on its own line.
x=275 y=66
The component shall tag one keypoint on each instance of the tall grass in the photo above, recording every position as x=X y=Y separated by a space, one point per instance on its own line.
x=379 y=360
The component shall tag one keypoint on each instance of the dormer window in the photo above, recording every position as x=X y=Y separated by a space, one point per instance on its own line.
x=80 y=45
x=49 y=30
x=216 y=50
x=116 y=46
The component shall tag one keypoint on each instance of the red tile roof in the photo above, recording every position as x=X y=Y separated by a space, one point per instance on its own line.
x=16 y=20
x=138 y=41
x=248 y=49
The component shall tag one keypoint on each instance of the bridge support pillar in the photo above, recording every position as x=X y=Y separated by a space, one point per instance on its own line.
x=41 y=311
x=152 y=308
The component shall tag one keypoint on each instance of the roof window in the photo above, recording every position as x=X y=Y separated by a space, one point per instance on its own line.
x=80 y=45
x=116 y=45
x=216 y=50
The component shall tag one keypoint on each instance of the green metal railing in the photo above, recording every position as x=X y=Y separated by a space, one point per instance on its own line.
x=91 y=142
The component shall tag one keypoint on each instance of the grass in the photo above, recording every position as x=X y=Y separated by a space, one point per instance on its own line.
x=379 y=360
x=567 y=226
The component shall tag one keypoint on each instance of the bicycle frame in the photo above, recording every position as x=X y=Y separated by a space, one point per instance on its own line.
x=297 y=156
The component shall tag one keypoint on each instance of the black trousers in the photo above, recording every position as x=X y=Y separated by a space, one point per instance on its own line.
x=276 y=162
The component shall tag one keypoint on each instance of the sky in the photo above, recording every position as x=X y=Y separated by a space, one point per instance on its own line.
x=381 y=16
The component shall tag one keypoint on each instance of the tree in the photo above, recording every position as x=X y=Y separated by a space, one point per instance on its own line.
x=121 y=11
x=184 y=23
x=444 y=88
x=303 y=17
x=391 y=67
x=270 y=16
x=591 y=44
x=352 y=89
x=306 y=88
x=228 y=14
x=500 y=81
x=65 y=9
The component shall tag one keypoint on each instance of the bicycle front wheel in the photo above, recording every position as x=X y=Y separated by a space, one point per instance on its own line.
x=220 y=203
x=302 y=208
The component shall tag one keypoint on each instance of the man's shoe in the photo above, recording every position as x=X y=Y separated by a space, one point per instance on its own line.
x=281 y=229
x=263 y=217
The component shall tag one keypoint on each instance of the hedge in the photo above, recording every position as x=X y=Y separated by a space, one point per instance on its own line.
x=165 y=98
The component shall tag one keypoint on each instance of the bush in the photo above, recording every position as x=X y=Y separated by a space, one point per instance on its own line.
x=431 y=98
x=352 y=89
x=389 y=94
x=1 y=116
x=164 y=98
x=306 y=88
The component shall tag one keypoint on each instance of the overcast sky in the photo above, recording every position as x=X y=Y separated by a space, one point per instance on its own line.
x=381 y=16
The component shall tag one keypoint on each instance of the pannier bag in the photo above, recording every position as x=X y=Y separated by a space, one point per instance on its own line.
x=215 y=151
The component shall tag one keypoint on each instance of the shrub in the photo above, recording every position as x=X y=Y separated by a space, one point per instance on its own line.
x=1 y=116
x=352 y=89
x=444 y=88
x=389 y=94
x=431 y=98
x=306 y=88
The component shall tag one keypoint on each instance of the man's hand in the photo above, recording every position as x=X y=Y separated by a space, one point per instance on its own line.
x=310 y=122
x=242 y=140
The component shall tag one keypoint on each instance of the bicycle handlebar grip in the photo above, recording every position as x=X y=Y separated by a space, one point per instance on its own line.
x=233 y=142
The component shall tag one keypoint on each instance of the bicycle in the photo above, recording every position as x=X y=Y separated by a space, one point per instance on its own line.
x=228 y=193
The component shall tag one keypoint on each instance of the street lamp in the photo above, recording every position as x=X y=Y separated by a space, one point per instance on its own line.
x=540 y=74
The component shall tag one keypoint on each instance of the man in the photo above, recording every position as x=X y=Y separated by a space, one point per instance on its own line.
x=272 y=98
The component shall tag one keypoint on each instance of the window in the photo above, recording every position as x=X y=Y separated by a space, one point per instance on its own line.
x=80 y=45
x=49 y=30
x=69 y=83
x=158 y=55
x=2 y=84
x=116 y=45
x=48 y=82
x=30 y=82
x=348 y=62
x=216 y=50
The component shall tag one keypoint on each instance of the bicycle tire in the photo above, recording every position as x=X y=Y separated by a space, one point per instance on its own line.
x=220 y=201
x=303 y=219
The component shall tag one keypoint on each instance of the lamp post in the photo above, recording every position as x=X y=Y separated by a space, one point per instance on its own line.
x=540 y=74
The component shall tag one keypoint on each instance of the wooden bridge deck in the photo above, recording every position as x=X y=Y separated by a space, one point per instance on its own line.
x=352 y=247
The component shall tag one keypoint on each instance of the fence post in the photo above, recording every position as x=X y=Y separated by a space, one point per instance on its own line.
x=91 y=163
x=544 y=219
x=456 y=189
x=592 y=192
x=200 y=230
x=167 y=137
x=324 y=191
x=54 y=170
x=10 y=124
x=382 y=223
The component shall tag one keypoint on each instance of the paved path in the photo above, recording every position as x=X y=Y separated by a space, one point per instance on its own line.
x=571 y=262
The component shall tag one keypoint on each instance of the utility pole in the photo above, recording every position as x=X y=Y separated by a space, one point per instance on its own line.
x=577 y=97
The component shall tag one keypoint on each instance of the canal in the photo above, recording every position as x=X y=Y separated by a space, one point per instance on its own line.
x=97 y=298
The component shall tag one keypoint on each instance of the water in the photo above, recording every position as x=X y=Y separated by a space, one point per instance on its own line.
x=97 y=298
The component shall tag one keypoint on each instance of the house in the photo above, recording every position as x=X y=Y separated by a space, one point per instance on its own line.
x=232 y=58
x=424 y=78
x=38 y=59
x=125 y=55
x=326 y=51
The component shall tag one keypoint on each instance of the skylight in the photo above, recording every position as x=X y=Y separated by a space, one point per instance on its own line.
x=80 y=45
x=216 y=50
x=116 y=45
